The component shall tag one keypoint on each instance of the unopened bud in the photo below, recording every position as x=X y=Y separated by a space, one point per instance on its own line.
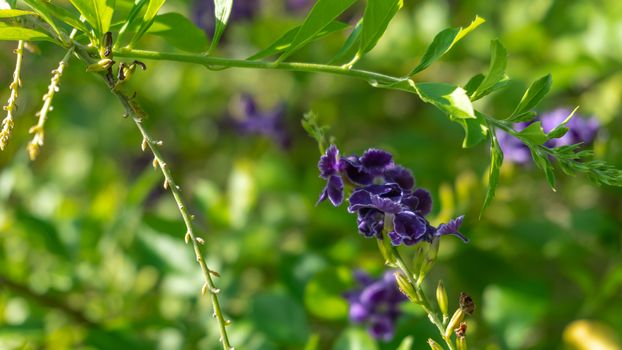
x=461 y=343
x=434 y=345
x=441 y=298
x=454 y=322
x=406 y=287
x=102 y=65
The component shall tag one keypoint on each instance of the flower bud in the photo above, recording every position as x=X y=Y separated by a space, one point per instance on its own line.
x=454 y=322
x=406 y=288
x=434 y=345
x=101 y=65
x=441 y=298
x=461 y=343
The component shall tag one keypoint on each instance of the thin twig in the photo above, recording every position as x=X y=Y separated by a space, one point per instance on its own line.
x=11 y=106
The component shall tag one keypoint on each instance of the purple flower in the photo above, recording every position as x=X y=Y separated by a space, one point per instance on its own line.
x=330 y=166
x=580 y=130
x=250 y=121
x=451 y=228
x=298 y=5
x=375 y=303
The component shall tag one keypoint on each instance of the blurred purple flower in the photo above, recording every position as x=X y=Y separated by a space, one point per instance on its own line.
x=250 y=121
x=580 y=130
x=375 y=303
x=382 y=189
x=298 y=5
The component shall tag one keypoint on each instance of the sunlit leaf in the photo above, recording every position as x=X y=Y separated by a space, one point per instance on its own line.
x=14 y=13
x=442 y=43
x=98 y=13
x=222 y=11
x=534 y=94
x=449 y=98
x=9 y=32
x=496 y=72
x=180 y=32
x=150 y=14
x=496 y=160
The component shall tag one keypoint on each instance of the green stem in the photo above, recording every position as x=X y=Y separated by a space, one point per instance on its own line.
x=211 y=61
x=423 y=299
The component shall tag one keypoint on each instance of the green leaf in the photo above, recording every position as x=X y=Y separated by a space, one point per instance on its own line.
x=378 y=14
x=544 y=163
x=11 y=3
x=406 y=344
x=98 y=13
x=321 y=15
x=148 y=19
x=133 y=21
x=473 y=83
x=496 y=160
x=285 y=41
x=449 y=98
x=561 y=129
x=496 y=72
x=443 y=42
x=280 y=318
x=534 y=94
x=44 y=12
x=10 y=32
x=310 y=122
x=14 y=13
x=475 y=130
x=323 y=294
x=72 y=19
x=180 y=32
x=533 y=134
x=355 y=339
x=222 y=10
x=348 y=50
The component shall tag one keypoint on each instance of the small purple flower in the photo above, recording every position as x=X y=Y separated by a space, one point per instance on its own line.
x=376 y=304
x=250 y=121
x=580 y=130
x=298 y=5
x=451 y=228
x=330 y=170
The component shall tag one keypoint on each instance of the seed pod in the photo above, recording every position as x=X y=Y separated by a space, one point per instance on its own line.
x=406 y=288
x=101 y=65
x=441 y=298
x=461 y=343
x=454 y=322
x=466 y=303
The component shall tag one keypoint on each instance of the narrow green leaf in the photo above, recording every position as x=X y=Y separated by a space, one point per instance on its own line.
x=561 y=129
x=443 y=42
x=349 y=48
x=285 y=41
x=44 y=12
x=98 y=13
x=11 y=3
x=534 y=94
x=14 y=13
x=406 y=344
x=496 y=160
x=10 y=32
x=473 y=83
x=222 y=10
x=180 y=32
x=152 y=10
x=544 y=163
x=449 y=98
x=378 y=14
x=496 y=72
x=132 y=23
x=72 y=19
x=321 y=15
x=533 y=134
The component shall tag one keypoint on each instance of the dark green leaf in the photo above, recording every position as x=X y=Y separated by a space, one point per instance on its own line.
x=544 y=163
x=180 y=32
x=442 y=43
x=451 y=99
x=496 y=72
x=324 y=293
x=378 y=14
x=39 y=7
x=280 y=318
x=14 y=13
x=222 y=10
x=475 y=131
x=473 y=83
x=533 y=134
x=321 y=15
x=496 y=160
x=284 y=42
x=9 y=32
x=534 y=94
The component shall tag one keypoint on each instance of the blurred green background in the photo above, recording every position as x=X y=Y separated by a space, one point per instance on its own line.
x=91 y=247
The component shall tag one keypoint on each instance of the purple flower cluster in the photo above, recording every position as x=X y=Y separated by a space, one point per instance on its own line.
x=376 y=304
x=249 y=120
x=382 y=190
x=580 y=130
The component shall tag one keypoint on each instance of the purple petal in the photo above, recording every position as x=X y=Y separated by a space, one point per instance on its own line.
x=409 y=226
x=355 y=172
x=359 y=199
x=382 y=328
x=400 y=175
x=358 y=312
x=370 y=222
x=248 y=106
x=386 y=205
x=328 y=163
x=374 y=294
x=424 y=207
x=375 y=161
x=363 y=278
x=451 y=228
x=334 y=188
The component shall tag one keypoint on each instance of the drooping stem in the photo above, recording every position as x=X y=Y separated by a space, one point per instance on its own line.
x=169 y=183
x=11 y=106
x=38 y=130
